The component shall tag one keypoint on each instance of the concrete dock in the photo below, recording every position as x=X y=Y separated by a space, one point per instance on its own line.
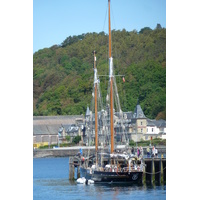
x=71 y=151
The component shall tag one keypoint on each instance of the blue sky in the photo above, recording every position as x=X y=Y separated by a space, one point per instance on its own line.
x=54 y=20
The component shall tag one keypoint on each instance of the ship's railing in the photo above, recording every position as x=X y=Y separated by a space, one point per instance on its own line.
x=132 y=169
x=122 y=169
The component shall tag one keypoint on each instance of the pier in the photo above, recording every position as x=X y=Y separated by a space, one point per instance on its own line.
x=155 y=170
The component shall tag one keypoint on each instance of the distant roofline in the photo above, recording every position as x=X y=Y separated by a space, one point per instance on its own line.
x=57 y=117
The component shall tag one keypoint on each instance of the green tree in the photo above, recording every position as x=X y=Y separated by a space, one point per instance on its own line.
x=76 y=139
x=68 y=138
x=63 y=74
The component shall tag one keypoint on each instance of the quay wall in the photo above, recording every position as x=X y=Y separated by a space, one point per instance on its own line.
x=71 y=151
x=58 y=152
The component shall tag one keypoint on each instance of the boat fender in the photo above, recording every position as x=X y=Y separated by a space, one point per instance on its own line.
x=81 y=180
x=90 y=181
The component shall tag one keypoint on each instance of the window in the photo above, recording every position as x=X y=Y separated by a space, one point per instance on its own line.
x=141 y=123
x=141 y=130
x=152 y=129
x=147 y=129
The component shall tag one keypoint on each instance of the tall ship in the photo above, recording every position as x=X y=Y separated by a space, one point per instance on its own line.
x=108 y=164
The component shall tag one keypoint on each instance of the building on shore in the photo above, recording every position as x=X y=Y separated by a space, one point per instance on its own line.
x=136 y=126
x=148 y=128
x=48 y=130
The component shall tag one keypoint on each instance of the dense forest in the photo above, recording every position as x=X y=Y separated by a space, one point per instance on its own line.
x=63 y=74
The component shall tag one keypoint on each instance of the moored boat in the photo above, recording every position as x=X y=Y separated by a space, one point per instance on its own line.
x=110 y=166
x=121 y=168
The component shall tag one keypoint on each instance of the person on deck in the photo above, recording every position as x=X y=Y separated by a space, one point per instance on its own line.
x=156 y=152
x=138 y=152
x=80 y=153
x=153 y=152
x=148 y=152
x=132 y=150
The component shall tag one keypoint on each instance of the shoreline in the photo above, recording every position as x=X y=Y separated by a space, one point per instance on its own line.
x=71 y=151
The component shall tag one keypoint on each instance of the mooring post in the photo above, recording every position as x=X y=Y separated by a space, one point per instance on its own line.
x=71 y=168
x=157 y=167
x=164 y=169
x=144 y=172
x=149 y=170
x=78 y=172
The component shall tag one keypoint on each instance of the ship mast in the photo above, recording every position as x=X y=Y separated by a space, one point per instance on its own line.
x=111 y=84
x=96 y=112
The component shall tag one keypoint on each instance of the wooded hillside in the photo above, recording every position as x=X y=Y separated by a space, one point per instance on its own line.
x=63 y=74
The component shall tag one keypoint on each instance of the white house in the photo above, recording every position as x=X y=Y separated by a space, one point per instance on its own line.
x=156 y=128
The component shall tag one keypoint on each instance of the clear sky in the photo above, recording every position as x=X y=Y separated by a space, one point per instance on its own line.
x=55 y=20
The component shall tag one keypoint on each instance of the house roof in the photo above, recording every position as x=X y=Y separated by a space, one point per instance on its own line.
x=150 y=122
x=50 y=125
x=71 y=128
x=87 y=111
x=159 y=123
x=138 y=112
x=129 y=114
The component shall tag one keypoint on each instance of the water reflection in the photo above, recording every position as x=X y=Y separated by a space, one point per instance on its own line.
x=118 y=191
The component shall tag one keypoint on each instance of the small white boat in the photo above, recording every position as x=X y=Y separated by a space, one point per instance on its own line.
x=83 y=180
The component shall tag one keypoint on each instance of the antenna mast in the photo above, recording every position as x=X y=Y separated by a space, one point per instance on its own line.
x=96 y=111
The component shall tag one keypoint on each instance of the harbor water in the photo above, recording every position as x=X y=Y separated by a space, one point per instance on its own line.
x=51 y=181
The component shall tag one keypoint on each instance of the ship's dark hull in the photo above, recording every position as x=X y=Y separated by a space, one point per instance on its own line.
x=112 y=177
